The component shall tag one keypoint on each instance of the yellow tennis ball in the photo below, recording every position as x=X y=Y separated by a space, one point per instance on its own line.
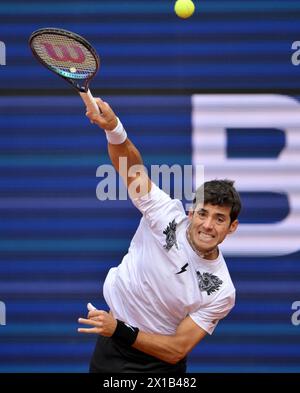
x=184 y=8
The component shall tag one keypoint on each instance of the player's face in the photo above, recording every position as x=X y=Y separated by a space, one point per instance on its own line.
x=210 y=224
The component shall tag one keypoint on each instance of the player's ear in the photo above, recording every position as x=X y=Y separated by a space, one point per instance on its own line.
x=233 y=226
x=191 y=213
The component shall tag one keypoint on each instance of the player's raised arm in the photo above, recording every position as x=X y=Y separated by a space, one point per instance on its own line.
x=123 y=154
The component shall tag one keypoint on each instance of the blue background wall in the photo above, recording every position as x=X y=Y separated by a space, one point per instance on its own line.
x=57 y=241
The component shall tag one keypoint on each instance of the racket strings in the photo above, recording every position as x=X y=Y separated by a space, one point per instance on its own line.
x=65 y=54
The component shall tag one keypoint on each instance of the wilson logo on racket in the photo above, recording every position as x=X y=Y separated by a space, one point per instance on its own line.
x=61 y=52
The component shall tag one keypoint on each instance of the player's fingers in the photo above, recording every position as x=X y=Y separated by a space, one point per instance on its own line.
x=101 y=120
x=91 y=314
x=91 y=116
x=106 y=120
x=101 y=104
x=99 y=322
x=99 y=100
x=88 y=330
x=106 y=112
x=106 y=106
x=95 y=313
x=91 y=307
x=90 y=322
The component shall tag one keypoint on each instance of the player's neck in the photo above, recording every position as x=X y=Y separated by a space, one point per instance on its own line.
x=210 y=254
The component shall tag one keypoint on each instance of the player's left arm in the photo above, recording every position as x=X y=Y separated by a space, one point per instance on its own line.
x=169 y=348
x=172 y=348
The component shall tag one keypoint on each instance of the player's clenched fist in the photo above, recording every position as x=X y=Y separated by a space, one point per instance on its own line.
x=106 y=119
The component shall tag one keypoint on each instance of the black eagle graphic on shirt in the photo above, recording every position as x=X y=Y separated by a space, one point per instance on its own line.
x=170 y=233
x=208 y=282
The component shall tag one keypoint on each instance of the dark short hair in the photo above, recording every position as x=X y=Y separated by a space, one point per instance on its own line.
x=221 y=193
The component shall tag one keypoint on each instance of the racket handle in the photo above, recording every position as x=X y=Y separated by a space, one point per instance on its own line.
x=90 y=102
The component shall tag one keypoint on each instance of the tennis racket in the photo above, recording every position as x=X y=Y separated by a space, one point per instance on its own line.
x=70 y=56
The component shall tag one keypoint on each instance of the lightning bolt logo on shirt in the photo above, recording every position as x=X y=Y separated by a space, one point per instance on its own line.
x=183 y=269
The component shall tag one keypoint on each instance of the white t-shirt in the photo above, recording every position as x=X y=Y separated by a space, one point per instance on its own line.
x=161 y=279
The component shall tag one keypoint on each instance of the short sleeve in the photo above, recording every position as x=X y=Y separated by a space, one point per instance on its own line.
x=159 y=210
x=208 y=317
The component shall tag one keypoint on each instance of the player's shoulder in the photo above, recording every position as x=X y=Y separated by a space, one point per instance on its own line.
x=157 y=200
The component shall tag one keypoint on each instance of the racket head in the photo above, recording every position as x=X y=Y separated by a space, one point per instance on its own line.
x=66 y=54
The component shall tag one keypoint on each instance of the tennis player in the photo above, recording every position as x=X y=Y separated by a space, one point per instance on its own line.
x=173 y=286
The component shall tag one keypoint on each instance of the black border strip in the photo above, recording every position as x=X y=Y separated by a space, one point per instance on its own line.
x=146 y=382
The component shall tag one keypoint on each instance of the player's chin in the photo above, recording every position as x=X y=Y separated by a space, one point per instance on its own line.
x=205 y=247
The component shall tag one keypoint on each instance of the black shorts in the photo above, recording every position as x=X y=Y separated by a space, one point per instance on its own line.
x=111 y=356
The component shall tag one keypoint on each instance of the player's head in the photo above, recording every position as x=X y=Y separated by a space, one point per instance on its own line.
x=221 y=193
x=216 y=207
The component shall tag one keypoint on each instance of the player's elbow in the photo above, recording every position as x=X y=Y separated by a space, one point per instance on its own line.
x=176 y=355
x=176 y=359
x=181 y=347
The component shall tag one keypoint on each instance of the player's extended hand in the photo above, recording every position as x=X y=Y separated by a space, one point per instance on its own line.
x=101 y=322
x=106 y=119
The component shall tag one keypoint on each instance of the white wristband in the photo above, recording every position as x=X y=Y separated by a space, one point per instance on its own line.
x=118 y=135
